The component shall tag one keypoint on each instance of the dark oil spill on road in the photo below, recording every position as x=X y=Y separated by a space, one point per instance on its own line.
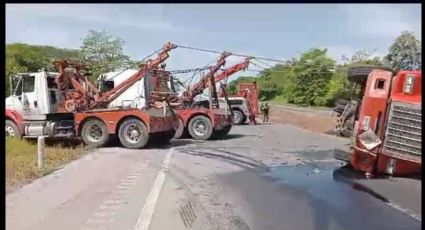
x=336 y=190
x=321 y=181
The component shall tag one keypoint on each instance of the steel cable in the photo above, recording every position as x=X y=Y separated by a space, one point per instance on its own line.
x=234 y=54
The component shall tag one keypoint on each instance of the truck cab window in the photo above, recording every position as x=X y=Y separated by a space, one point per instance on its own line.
x=51 y=84
x=380 y=84
x=105 y=86
x=28 y=84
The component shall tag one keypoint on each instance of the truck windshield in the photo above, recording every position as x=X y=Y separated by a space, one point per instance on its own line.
x=235 y=102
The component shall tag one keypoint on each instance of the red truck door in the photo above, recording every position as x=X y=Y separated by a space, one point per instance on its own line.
x=372 y=116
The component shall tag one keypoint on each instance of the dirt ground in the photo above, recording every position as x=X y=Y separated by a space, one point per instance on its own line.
x=304 y=119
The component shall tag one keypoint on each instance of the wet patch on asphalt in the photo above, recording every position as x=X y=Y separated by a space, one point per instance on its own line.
x=312 y=196
x=319 y=180
x=338 y=187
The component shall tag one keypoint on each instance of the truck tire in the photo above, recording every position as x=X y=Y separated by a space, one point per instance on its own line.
x=200 y=128
x=133 y=134
x=238 y=117
x=94 y=133
x=220 y=134
x=339 y=108
x=180 y=130
x=162 y=137
x=359 y=74
x=341 y=102
x=12 y=129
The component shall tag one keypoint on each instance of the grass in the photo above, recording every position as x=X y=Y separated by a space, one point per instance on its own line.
x=21 y=160
x=279 y=100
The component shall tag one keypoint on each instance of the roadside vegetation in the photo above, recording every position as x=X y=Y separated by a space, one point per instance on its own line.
x=21 y=160
x=315 y=79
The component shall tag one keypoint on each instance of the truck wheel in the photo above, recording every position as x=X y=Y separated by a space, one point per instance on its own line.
x=341 y=102
x=94 y=133
x=359 y=74
x=179 y=130
x=339 y=109
x=200 y=128
x=133 y=134
x=219 y=134
x=12 y=130
x=162 y=137
x=238 y=117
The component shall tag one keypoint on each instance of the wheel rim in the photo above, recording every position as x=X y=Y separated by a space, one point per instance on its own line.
x=236 y=117
x=95 y=133
x=133 y=133
x=9 y=131
x=200 y=128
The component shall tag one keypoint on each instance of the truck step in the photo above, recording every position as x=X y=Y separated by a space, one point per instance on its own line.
x=63 y=135
x=64 y=127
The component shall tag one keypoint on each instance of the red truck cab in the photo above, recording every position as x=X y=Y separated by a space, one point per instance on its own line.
x=388 y=137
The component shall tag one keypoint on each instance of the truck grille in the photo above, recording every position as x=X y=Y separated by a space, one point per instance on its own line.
x=403 y=134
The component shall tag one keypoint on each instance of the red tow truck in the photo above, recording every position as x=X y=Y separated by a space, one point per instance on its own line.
x=204 y=119
x=67 y=105
x=245 y=103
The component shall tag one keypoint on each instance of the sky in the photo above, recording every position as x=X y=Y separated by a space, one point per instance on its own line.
x=280 y=31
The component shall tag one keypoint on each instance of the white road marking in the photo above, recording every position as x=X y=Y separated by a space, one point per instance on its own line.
x=94 y=228
x=109 y=207
x=106 y=212
x=148 y=209
x=114 y=202
x=99 y=221
x=131 y=183
x=132 y=177
x=121 y=187
x=406 y=211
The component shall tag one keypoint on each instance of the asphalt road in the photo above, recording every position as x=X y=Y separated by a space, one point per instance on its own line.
x=261 y=177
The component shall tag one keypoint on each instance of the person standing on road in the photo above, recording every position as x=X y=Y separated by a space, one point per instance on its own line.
x=265 y=109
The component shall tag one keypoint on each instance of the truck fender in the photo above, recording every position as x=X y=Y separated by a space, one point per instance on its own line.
x=14 y=116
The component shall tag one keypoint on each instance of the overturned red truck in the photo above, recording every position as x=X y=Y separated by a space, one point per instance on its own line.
x=387 y=136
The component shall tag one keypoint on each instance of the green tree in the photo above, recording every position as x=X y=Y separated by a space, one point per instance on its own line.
x=102 y=53
x=312 y=74
x=405 y=53
x=363 y=57
x=31 y=58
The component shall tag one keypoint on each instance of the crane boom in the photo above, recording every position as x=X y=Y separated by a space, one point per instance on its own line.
x=203 y=82
x=121 y=88
x=232 y=70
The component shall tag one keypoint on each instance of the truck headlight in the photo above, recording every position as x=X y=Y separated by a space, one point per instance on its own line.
x=408 y=84
x=366 y=123
x=391 y=166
